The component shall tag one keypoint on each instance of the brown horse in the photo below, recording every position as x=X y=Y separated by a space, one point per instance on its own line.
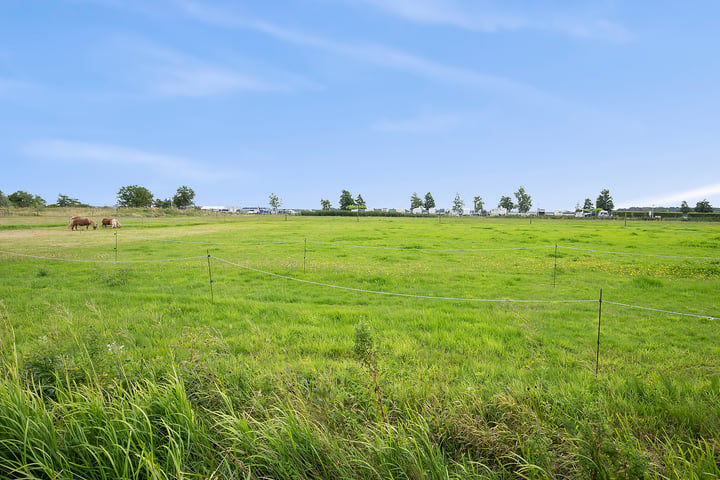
x=76 y=222
x=111 y=222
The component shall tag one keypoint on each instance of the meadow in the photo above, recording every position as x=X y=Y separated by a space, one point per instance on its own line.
x=335 y=347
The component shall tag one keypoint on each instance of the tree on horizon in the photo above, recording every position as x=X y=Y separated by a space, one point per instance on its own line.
x=685 y=208
x=274 y=202
x=134 y=196
x=604 y=201
x=458 y=204
x=704 y=206
x=184 y=197
x=524 y=201
x=415 y=201
x=429 y=201
x=506 y=203
x=346 y=200
x=478 y=203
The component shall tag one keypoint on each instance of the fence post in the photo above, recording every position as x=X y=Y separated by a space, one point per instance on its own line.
x=555 y=269
x=116 y=246
x=304 y=255
x=212 y=296
x=597 y=354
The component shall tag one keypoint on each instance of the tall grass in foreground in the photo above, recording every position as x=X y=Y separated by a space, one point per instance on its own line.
x=145 y=431
x=105 y=428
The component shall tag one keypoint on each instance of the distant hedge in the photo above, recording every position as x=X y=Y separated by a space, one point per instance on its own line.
x=632 y=215
x=692 y=216
x=353 y=213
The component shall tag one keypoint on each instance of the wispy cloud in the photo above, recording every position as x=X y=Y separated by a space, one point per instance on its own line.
x=489 y=18
x=370 y=53
x=195 y=80
x=420 y=124
x=169 y=72
x=674 y=199
x=447 y=13
x=101 y=154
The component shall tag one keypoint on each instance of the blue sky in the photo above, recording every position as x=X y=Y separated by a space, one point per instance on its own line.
x=305 y=98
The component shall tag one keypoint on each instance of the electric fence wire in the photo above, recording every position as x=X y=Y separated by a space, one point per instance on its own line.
x=77 y=260
x=489 y=300
x=211 y=243
x=708 y=317
x=395 y=294
x=639 y=254
x=461 y=299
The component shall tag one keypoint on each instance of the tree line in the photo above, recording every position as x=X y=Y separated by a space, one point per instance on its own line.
x=134 y=196
x=522 y=202
x=131 y=196
x=346 y=202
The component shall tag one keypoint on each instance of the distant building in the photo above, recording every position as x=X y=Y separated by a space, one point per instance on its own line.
x=498 y=212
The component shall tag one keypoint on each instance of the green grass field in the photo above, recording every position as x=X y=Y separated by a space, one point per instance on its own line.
x=327 y=347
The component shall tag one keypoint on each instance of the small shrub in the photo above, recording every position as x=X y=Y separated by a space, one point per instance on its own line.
x=366 y=354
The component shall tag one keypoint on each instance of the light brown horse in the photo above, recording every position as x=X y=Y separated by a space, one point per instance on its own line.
x=76 y=222
x=111 y=222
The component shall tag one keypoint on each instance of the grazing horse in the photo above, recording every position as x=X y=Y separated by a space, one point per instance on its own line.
x=76 y=222
x=111 y=222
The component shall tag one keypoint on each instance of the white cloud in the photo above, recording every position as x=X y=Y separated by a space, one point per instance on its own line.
x=489 y=18
x=112 y=155
x=203 y=81
x=168 y=72
x=674 y=199
x=376 y=54
x=447 y=13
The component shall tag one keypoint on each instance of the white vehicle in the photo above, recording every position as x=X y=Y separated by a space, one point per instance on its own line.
x=603 y=213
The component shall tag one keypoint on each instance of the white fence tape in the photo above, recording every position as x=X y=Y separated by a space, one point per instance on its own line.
x=461 y=299
x=662 y=311
x=211 y=243
x=101 y=261
x=638 y=254
x=376 y=292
